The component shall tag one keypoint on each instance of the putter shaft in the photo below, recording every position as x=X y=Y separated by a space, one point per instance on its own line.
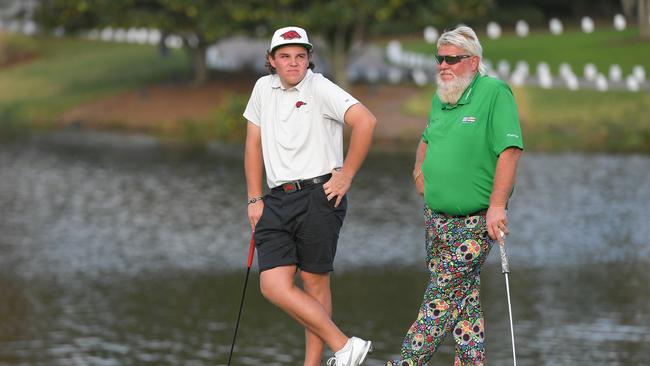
x=251 y=251
x=512 y=330
x=505 y=269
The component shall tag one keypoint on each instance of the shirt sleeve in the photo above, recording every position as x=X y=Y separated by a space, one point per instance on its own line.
x=336 y=101
x=504 y=130
x=435 y=106
x=425 y=134
x=253 y=108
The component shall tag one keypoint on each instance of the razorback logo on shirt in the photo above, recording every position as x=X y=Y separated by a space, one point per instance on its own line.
x=292 y=34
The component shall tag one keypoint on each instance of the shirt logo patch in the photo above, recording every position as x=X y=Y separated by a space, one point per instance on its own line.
x=512 y=135
x=468 y=119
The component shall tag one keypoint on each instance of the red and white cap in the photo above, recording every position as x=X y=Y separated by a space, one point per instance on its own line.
x=290 y=35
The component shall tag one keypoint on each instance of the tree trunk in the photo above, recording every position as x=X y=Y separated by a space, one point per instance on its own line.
x=628 y=8
x=196 y=49
x=163 y=50
x=644 y=19
x=340 y=59
x=200 y=65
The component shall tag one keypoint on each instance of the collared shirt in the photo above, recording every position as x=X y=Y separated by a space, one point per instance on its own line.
x=464 y=141
x=301 y=126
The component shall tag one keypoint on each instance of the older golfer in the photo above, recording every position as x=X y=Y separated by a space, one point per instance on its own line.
x=465 y=167
x=295 y=135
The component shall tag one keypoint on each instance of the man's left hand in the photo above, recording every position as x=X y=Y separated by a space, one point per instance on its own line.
x=497 y=222
x=337 y=186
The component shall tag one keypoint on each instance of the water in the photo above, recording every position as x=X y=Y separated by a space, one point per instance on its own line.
x=128 y=252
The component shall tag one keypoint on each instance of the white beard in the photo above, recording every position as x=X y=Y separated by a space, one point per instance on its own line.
x=450 y=91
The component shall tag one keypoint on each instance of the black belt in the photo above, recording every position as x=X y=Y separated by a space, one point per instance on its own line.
x=296 y=185
x=477 y=213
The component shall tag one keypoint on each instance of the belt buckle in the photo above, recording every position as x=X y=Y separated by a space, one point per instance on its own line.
x=291 y=187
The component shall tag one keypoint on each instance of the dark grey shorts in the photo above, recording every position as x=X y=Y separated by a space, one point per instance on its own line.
x=300 y=228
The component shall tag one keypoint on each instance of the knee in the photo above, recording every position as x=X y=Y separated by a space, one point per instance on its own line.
x=276 y=284
x=268 y=290
x=275 y=292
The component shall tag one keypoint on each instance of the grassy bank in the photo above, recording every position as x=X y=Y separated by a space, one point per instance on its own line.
x=603 y=48
x=57 y=75
x=63 y=74
x=563 y=120
x=559 y=119
x=66 y=72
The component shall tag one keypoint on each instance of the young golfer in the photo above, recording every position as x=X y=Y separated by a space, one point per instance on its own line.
x=295 y=135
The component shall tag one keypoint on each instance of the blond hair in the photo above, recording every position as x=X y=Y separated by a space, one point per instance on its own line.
x=465 y=38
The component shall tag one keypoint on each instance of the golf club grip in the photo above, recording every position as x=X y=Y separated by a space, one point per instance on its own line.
x=505 y=267
x=251 y=252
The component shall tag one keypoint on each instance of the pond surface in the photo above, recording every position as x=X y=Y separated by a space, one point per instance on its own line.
x=124 y=251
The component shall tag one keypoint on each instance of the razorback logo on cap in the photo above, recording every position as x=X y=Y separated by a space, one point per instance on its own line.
x=292 y=34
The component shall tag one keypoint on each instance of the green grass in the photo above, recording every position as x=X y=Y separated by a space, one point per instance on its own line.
x=69 y=72
x=564 y=120
x=556 y=120
x=603 y=48
x=225 y=124
x=12 y=48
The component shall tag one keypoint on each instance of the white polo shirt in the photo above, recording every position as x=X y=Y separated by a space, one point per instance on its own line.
x=302 y=127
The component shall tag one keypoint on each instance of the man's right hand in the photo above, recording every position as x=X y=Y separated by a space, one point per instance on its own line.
x=255 y=212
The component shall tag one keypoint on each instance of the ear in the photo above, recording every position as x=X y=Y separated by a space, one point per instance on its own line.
x=475 y=62
x=271 y=58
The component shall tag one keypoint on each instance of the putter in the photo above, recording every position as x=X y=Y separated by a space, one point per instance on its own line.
x=251 y=251
x=505 y=269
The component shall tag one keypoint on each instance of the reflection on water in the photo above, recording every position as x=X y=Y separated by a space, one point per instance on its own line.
x=130 y=253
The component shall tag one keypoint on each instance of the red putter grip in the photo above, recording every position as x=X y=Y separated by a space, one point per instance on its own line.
x=251 y=252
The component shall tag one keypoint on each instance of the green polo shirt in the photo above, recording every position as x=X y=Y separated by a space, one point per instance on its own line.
x=463 y=144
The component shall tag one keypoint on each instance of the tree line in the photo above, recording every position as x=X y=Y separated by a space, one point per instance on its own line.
x=342 y=24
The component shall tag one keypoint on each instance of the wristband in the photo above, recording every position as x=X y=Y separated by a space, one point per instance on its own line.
x=255 y=199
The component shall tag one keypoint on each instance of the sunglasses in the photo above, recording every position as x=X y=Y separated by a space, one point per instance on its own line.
x=450 y=59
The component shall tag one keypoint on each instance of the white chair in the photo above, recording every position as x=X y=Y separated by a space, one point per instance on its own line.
x=601 y=83
x=619 y=22
x=615 y=73
x=521 y=28
x=106 y=34
x=394 y=75
x=430 y=34
x=572 y=82
x=154 y=36
x=555 y=26
x=503 y=68
x=590 y=72
x=119 y=35
x=493 y=30
x=632 y=83
x=587 y=25
x=639 y=73
x=419 y=77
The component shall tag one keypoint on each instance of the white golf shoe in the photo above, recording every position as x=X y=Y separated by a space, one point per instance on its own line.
x=352 y=354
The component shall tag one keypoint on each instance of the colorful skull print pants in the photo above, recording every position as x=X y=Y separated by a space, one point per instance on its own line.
x=456 y=248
